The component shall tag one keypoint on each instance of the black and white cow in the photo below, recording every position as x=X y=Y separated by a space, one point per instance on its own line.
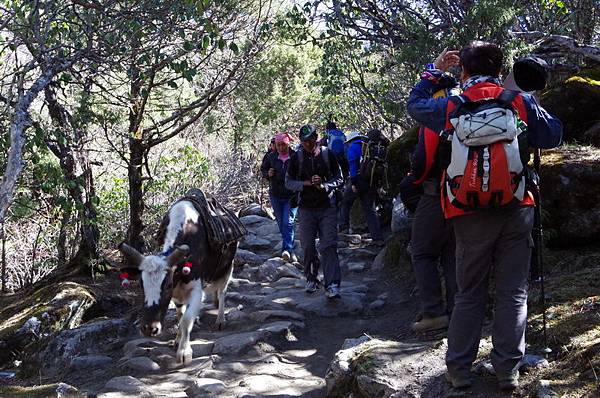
x=162 y=277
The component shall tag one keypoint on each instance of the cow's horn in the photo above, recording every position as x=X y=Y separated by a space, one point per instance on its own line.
x=178 y=254
x=133 y=257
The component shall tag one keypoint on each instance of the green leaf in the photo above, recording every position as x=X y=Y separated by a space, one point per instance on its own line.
x=172 y=84
x=188 y=46
x=221 y=44
x=233 y=47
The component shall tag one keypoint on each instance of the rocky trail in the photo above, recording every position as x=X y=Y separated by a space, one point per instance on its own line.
x=277 y=341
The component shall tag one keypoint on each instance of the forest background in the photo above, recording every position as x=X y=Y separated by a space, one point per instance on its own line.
x=112 y=109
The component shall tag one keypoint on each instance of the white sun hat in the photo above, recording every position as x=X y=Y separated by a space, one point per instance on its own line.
x=353 y=135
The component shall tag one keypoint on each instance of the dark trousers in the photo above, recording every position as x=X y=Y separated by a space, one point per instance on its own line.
x=367 y=200
x=432 y=243
x=501 y=238
x=321 y=223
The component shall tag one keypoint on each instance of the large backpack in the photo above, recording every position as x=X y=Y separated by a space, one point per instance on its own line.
x=336 y=140
x=486 y=168
x=373 y=161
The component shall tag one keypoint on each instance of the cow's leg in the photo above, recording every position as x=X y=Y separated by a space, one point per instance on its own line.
x=195 y=303
x=220 y=293
x=180 y=311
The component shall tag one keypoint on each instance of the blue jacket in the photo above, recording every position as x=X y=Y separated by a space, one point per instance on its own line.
x=544 y=130
x=354 y=154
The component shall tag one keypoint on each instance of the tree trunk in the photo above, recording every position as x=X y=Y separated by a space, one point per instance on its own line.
x=20 y=122
x=3 y=239
x=137 y=151
x=136 y=194
x=69 y=148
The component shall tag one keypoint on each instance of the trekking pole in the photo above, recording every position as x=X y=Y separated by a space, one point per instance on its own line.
x=539 y=235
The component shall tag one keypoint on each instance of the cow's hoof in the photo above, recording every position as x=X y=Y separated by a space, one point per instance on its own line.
x=184 y=357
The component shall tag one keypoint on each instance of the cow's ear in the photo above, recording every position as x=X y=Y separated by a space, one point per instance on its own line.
x=178 y=255
x=133 y=257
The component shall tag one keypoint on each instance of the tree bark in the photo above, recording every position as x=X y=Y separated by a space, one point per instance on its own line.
x=137 y=150
x=75 y=165
x=20 y=122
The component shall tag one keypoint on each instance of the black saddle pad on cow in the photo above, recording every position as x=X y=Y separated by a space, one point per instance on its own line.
x=222 y=224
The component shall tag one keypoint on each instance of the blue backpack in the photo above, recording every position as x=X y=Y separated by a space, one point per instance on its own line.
x=336 y=140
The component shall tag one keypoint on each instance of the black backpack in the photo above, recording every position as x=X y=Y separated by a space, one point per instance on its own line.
x=373 y=162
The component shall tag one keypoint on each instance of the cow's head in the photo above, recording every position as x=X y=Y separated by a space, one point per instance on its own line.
x=157 y=281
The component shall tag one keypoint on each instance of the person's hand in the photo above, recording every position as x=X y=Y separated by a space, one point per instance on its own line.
x=446 y=59
x=354 y=189
x=271 y=172
x=316 y=180
x=308 y=183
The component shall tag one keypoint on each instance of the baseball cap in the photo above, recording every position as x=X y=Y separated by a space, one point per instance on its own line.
x=307 y=132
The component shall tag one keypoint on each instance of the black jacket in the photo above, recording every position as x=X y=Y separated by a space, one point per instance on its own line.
x=331 y=175
x=277 y=182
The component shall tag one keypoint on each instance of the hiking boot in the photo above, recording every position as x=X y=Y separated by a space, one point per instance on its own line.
x=508 y=382
x=332 y=291
x=293 y=258
x=285 y=255
x=429 y=324
x=311 y=287
x=459 y=381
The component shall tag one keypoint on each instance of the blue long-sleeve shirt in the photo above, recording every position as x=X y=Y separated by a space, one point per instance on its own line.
x=354 y=154
x=544 y=130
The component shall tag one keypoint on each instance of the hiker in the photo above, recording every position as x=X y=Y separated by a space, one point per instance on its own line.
x=269 y=152
x=315 y=173
x=358 y=186
x=490 y=210
x=283 y=201
x=432 y=237
x=334 y=139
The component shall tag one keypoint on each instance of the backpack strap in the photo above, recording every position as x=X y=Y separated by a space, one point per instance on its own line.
x=325 y=154
x=300 y=162
x=507 y=97
x=458 y=101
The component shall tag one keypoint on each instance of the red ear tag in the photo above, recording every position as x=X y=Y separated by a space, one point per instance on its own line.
x=187 y=268
x=124 y=279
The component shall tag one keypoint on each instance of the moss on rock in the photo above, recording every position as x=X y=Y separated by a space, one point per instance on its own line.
x=28 y=318
x=570 y=188
x=575 y=102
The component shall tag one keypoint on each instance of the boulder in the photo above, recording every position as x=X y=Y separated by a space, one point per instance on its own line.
x=246 y=257
x=36 y=315
x=205 y=387
x=237 y=343
x=253 y=209
x=127 y=384
x=398 y=157
x=90 y=361
x=575 y=102
x=91 y=338
x=570 y=188
x=370 y=368
x=253 y=243
x=141 y=364
x=255 y=221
